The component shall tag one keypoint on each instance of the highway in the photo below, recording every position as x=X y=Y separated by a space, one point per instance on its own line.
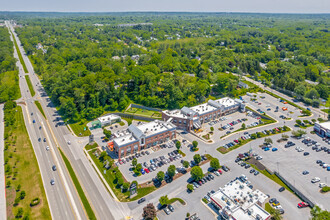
x=104 y=206
x=62 y=197
x=3 y=214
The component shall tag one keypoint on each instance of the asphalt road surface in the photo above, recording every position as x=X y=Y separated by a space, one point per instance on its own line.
x=62 y=197
x=104 y=206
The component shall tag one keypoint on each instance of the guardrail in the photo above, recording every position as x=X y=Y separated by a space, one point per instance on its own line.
x=296 y=191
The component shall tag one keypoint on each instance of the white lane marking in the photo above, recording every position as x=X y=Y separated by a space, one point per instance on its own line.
x=66 y=185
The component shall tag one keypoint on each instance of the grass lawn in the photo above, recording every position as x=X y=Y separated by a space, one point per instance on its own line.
x=78 y=128
x=22 y=169
x=110 y=178
x=144 y=112
x=28 y=81
x=89 y=147
x=40 y=108
x=80 y=191
x=176 y=199
x=268 y=208
x=325 y=110
x=19 y=55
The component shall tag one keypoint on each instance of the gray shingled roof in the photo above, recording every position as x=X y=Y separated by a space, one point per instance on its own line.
x=135 y=131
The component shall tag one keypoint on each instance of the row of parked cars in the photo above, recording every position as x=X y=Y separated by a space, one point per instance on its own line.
x=159 y=162
x=246 y=166
x=196 y=184
x=136 y=155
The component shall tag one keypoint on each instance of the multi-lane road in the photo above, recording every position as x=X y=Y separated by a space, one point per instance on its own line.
x=62 y=197
x=104 y=206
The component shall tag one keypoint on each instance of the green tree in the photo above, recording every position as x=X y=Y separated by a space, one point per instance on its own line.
x=196 y=173
x=185 y=164
x=138 y=167
x=19 y=213
x=197 y=158
x=214 y=163
x=253 y=136
x=171 y=170
x=178 y=145
x=134 y=162
x=103 y=155
x=212 y=129
x=120 y=181
x=195 y=144
x=107 y=133
x=126 y=186
x=298 y=122
x=318 y=214
x=18 y=188
x=243 y=126
x=22 y=195
x=298 y=133
x=268 y=141
x=160 y=176
x=276 y=215
x=163 y=200
x=190 y=187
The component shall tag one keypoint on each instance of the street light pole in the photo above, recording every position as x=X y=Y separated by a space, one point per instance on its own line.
x=277 y=163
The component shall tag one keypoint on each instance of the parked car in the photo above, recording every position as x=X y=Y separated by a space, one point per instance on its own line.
x=141 y=200
x=170 y=207
x=303 y=205
x=281 y=189
x=305 y=172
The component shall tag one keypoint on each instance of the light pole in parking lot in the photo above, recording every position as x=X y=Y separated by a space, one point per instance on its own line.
x=277 y=163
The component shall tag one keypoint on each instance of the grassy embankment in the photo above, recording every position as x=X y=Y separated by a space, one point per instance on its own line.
x=111 y=180
x=83 y=198
x=22 y=170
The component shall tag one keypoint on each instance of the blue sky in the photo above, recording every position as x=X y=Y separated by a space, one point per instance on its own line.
x=267 y=6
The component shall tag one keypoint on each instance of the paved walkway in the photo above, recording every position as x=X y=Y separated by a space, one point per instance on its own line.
x=2 y=170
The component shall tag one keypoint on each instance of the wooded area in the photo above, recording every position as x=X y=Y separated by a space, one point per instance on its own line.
x=94 y=63
x=9 y=88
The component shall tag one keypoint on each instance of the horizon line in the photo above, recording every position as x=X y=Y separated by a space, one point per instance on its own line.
x=211 y=12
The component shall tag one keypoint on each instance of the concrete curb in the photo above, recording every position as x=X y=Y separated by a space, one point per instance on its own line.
x=101 y=176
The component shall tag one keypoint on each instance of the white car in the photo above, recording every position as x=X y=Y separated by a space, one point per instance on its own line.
x=315 y=180
x=321 y=185
x=47 y=148
x=325 y=165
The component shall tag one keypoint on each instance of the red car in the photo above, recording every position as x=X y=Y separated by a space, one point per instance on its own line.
x=146 y=169
x=236 y=141
x=231 y=124
x=277 y=129
x=303 y=205
x=259 y=103
x=220 y=171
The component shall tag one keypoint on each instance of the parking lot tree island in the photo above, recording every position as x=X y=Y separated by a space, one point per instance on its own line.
x=196 y=173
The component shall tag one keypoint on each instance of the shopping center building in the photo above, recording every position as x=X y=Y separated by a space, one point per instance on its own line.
x=143 y=136
x=237 y=201
x=322 y=129
x=192 y=118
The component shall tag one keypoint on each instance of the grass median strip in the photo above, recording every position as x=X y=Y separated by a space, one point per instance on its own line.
x=40 y=108
x=19 y=54
x=83 y=198
x=28 y=81
x=23 y=179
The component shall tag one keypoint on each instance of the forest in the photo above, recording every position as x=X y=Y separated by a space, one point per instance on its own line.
x=92 y=63
x=9 y=88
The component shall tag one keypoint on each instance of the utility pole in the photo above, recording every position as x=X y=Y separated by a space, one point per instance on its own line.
x=277 y=163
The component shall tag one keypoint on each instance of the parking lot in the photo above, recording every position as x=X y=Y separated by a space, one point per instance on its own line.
x=230 y=123
x=291 y=162
x=269 y=104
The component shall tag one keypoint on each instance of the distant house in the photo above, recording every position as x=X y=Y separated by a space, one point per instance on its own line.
x=243 y=85
x=109 y=119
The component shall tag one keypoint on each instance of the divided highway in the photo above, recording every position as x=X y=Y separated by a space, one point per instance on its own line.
x=62 y=197
x=104 y=206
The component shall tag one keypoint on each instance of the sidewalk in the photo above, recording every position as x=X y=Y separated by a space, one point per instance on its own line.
x=3 y=212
